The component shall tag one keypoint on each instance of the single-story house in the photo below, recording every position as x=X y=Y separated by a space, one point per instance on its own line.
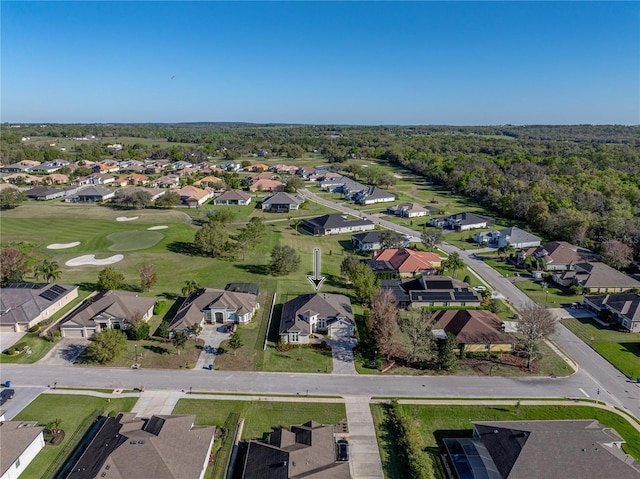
x=257 y=167
x=16 y=168
x=193 y=196
x=167 y=181
x=408 y=210
x=91 y=194
x=43 y=193
x=513 y=236
x=281 y=202
x=21 y=443
x=560 y=255
x=342 y=184
x=104 y=168
x=316 y=313
x=463 y=222
x=537 y=449
x=373 y=195
x=308 y=450
x=305 y=171
x=161 y=447
x=267 y=185
x=405 y=262
x=211 y=182
x=233 y=197
x=476 y=330
x=136 y=179
x=596 y=277
x=121 y=182
x=24 y=305
x=58 y=179
x=371 y=241
x=288 y=169
x=181 y=164
x=623 y=309
x=429 y=290
x=98 y=179
x=265 y=175
x=334 y=224
x=209 y=306
x=49 y=166
x=110 y=310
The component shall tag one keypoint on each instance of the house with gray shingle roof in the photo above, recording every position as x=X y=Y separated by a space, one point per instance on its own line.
x=281 y=202
x=316 y=313
x=623 y=309
x=335 y=224
x=209 y=306
x=512 y=236
x=373 y=195
x=409 y=210
x=91 y=194
x=23 y=305
x=463 y=222
x=596 y=277
x=306 y=451
x=110 y=310
x=233 y=197
x=540 y=449
x=159 y=447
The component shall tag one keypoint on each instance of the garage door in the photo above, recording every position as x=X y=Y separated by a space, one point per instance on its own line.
x=73 y=333
x=7 y=328
x=341 y=330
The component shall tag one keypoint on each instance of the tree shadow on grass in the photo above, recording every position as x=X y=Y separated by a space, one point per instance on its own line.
x=183 y=247
x=156 y=349
x=261 y=269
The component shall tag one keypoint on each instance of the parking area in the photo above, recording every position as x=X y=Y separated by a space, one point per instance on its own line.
x=213 y=335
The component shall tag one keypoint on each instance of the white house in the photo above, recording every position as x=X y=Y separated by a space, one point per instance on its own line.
x=513 y=236
x=21 y=443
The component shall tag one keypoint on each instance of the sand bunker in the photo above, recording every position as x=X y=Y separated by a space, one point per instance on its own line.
x=157 y=228
x=91 y=259
x=126 y=218
x=63 y=245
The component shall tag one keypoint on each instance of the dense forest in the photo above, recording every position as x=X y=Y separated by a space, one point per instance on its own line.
x=579 y=183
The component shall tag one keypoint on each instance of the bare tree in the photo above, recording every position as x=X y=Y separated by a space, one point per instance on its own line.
x=536 y=323
x=416 y=325
x=383 y=323
x=618 y=254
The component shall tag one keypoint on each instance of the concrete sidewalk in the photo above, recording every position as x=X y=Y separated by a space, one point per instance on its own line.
x=365 y=462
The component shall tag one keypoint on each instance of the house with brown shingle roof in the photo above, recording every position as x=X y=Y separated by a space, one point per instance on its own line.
x=21 y=443
x=159 y=447
x=267 y=185
x=110 y=310
x=560 y=255
x=209 y=306
x=307 y=451
x=476 y=330
x=210 y=181
x=406 y=262
x=233 y=197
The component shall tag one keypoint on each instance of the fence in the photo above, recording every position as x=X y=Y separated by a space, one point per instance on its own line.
x=223 y=457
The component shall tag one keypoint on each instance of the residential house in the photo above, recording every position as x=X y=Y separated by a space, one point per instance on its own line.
x=58 y=178
x=24 y=305
x=257 y=167
x=271 y=186
x=405 y=262
x=18 y=178
x=408 y=210
x=98 y=179
x=427 y=291
x=622 y=309
x=463 y=222
x=210 y=181
x=596 y=277
x=335 y=224
x=307 y=451
x=265 y=175
x=233 y=197
x=21 y=443
x=90 y=194
x=281 y=202
x=43 y=193
x=154 y=192
x=8 y=186
x=513 y=236
x=476 y=330
x=560 y=255
x=105 y=168
x=167 y=181
x=287 y=169
x=231 y=166
x=49 y=166
x=371 y=240
x=209 y=306
x=316 y=313
x=136 y=179
x=305 y=171
x=16 y=168
x=121 y=182
x=110 y=310
x=180 y=165
x=158 y=447
x=568 y=449
x=373 y=195
x=194 y=196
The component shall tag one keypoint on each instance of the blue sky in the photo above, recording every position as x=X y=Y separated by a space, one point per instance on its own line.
x=468 y=63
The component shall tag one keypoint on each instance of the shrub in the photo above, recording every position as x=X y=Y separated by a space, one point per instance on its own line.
x=34 y=328
x=20 y=347
x=160 y=307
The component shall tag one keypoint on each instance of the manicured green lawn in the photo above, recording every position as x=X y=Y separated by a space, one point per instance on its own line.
x=438 y=422
x=502 y=267
x=299 y=360
x=134 y=240
x=261 y=416
x=619 y=348
x=73 y=410
x=551 y=296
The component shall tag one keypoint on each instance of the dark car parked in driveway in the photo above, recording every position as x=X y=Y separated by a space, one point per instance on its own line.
x=5 y=395
x=343 y=450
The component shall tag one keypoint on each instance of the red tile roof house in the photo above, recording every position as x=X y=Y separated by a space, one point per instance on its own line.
x=475 y=330
x=407 y=262
x=267 y=185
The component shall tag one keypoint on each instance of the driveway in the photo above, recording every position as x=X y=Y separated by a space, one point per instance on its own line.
x=342 y=353
x=213 y=335
x=65 y=352
x=21 y=399
x=9 y=339
x=365 y=462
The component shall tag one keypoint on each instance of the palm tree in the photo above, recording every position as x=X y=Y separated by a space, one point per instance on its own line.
x=47 y=270
x=504 y=251
x=454 y=263
x=189 y=287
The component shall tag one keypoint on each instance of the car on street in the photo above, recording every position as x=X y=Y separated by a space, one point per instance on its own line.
x=479 y=288
x=343 y=450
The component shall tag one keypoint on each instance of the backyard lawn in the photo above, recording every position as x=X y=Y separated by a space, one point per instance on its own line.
x=437 y=422
x=76 y=413
x=619 y=348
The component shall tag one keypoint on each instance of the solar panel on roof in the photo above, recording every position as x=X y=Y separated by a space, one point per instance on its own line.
x=53 y=293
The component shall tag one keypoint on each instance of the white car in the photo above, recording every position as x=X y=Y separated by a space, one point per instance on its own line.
x=479 y=288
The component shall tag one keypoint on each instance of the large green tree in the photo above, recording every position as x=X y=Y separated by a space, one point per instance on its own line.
x=416 y=326
x=106 y=345
x=213 y=239
x=11 y=197
x=284 y=260
x=110 y=278
x=14 y=265
x=365 y=284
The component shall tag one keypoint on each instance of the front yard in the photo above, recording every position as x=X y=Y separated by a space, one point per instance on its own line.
x=619 y=348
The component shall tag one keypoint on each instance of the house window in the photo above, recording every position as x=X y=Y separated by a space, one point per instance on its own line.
x=486 y=346
x=18 y=463
x=294 y=337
